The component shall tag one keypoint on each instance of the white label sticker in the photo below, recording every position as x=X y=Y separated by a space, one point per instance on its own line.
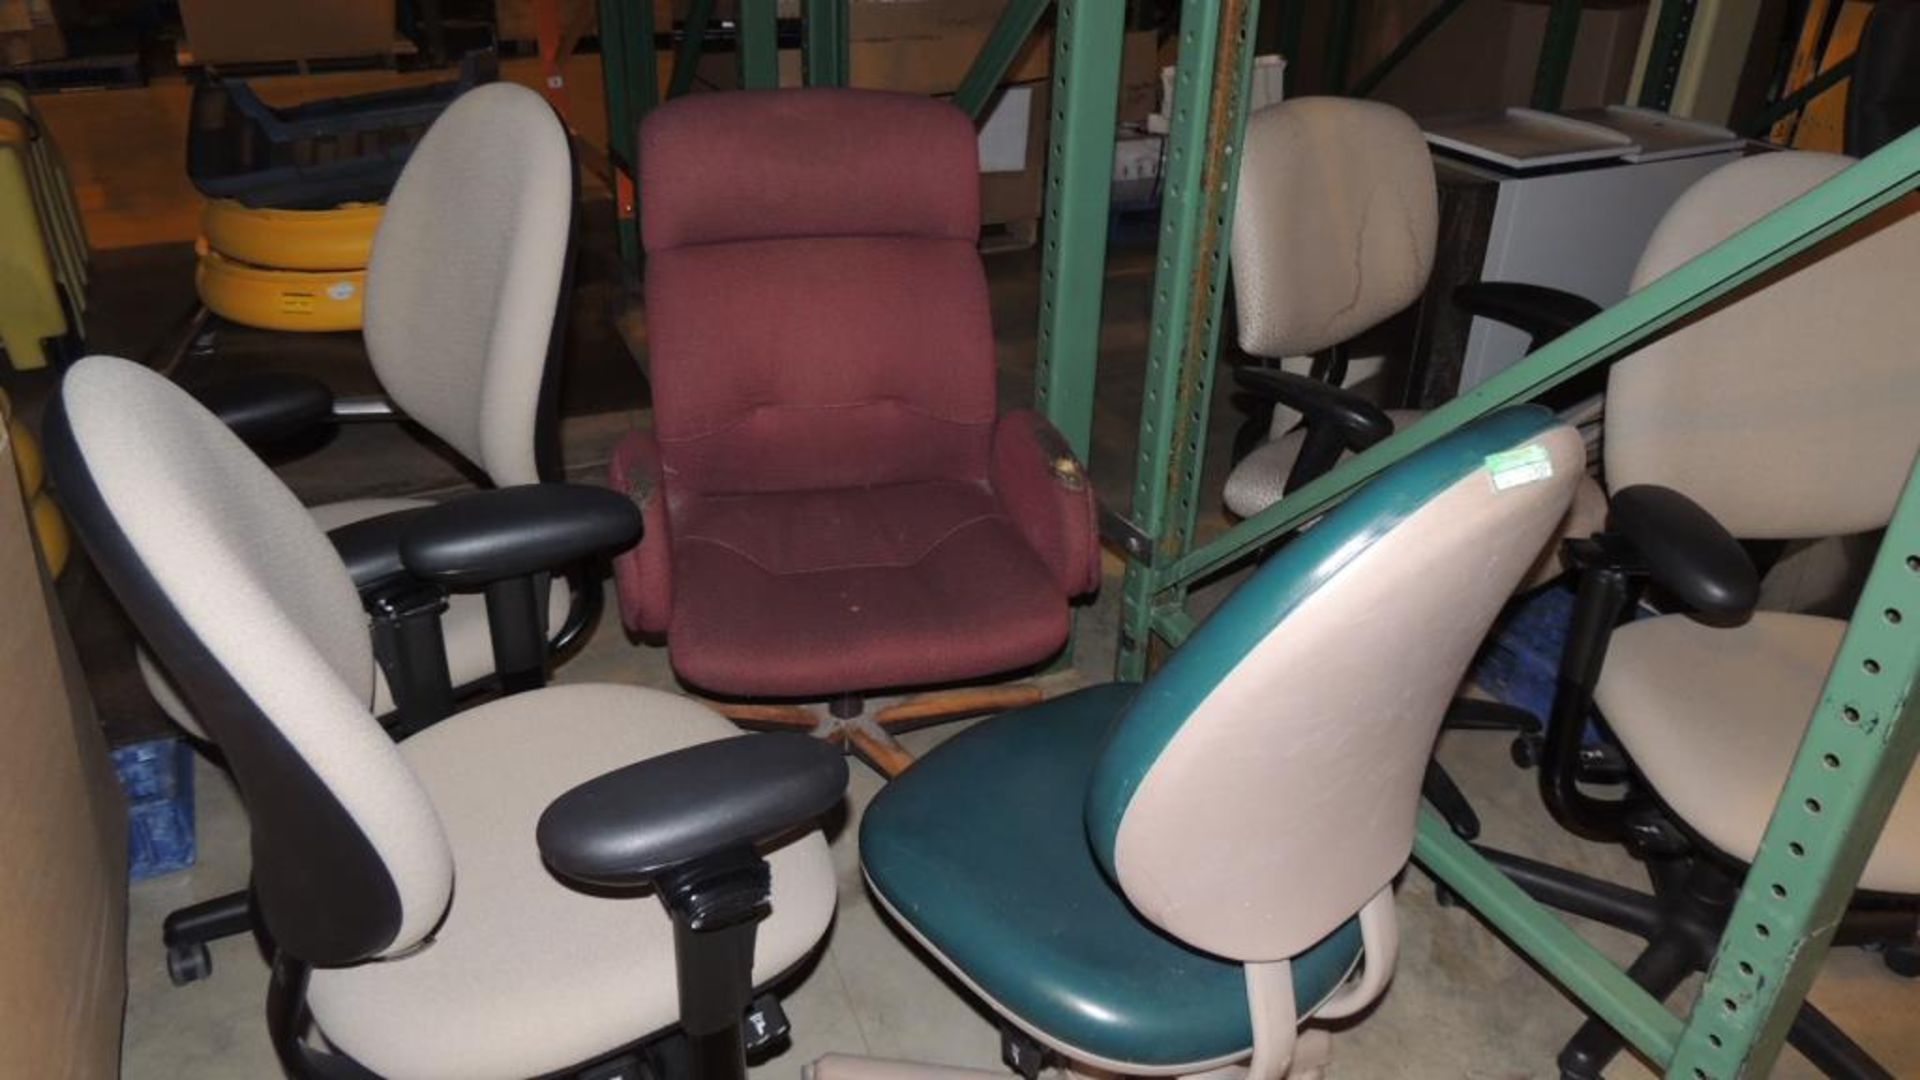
x=1523 y=465
x=340 y=290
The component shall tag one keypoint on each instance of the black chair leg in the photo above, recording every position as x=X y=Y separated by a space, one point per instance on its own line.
x=1829 y=1048
x=187 y=932
x=1659 y=969
x=1447 y=798
x=1479 y=714
x=1577 y=894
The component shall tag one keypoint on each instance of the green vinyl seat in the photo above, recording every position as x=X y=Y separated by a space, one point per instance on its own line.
x=984 y=848
x=1169 y=877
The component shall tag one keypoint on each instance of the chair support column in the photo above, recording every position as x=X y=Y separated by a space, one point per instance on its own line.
x=716 y=905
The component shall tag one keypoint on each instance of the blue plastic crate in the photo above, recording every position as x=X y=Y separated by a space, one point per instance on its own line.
x=157 y=777
x=1520 y=662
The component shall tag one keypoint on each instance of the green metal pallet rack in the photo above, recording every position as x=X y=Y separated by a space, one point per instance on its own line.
x=1864 y=733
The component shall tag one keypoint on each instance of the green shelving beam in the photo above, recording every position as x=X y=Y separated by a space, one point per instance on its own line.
x=1088 y=36
x=1556 y=54
x=825 y=44
x=995 y=58
x=759 y=44
x=1190 y=274
x=1855 y=758
x=686 y=54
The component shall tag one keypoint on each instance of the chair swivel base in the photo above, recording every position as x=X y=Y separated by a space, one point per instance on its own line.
x=871 y=736
x=1682 y=923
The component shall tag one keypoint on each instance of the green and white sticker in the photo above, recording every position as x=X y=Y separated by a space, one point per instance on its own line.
x=1521 y=465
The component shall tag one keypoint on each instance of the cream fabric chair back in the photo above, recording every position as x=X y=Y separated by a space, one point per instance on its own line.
x=466 y=274
x=1335 y=223
x=1791 y=411
x=239 y=593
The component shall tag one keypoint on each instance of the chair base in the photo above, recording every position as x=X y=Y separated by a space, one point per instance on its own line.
x=1682 y=923
x=870 y=736
x=189 y=930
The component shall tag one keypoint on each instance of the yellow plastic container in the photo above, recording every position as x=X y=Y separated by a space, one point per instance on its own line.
x=56 y=543
x=29 y=298
x=337 y=239
x=308 y=301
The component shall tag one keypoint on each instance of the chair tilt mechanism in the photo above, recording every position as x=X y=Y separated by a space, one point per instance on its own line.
x=564 y=813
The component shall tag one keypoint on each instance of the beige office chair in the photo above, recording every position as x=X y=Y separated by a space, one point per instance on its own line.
x=462 y=289
x=1171 y=877
x=1789 y=412
x=1334 y=233
x=428 y=913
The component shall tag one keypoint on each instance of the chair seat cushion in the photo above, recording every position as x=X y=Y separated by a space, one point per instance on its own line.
x=526 y=975
x=1259 y=479
x=464 y=626
x=804 y=593
x=1713 y=716
x=981 y=850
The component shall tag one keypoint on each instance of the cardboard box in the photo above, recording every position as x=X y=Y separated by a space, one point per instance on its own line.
x=1011 y=202
x=63 y=880
x=29 y=33
x=1139 y=77
x=249 y=31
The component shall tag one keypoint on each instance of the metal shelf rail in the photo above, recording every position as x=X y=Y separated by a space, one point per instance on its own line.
x=1864 y=733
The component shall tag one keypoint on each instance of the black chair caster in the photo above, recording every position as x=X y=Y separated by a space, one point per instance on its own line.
x=188 y=962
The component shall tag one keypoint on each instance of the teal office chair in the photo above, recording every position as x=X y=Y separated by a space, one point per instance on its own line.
x=1164 y=878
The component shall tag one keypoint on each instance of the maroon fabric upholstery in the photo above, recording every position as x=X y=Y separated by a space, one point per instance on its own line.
x=1054 y=509
x=780 y=164
x=821 y=353
x=812 y=593
x=643 y=577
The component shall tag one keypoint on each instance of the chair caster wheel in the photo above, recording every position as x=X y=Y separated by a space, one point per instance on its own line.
x=188 y=962
x=1525 y=751
x=1902 y=960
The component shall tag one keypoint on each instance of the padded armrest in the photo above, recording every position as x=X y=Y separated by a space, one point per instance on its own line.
x=515 y=532
x=643 y=575
x=266 y=408
x=627 y=826
x=1686 y=551
x=1540 y=311
x=1043 y=487
x=371 y=547
x=1359 y=422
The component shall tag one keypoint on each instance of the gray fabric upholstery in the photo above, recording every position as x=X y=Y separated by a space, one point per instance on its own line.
x=465 y=272
x=1335 y=223
x=1259 y=479
x=261 y=588
x=527 y=975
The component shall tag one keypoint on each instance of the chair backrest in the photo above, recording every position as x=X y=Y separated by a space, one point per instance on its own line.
x=817 y=312
x=1263 y=784
x=249 y=608
x=1334 y=225
x=1788 y=411
x=466 y=273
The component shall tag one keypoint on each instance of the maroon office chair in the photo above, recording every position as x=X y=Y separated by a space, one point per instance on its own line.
x=833 y=507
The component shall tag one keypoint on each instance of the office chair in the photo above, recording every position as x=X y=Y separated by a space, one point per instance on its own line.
x=486 y=898
x=1334 y=234
x=467 y=269
x=833 y=507
x=1785 y=413
x=1169 y=877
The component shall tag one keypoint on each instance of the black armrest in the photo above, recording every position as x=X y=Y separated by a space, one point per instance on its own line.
x=515 y=532
x=1542 y=312
x=1360 y=422
x=1685 y=550
x=371 y=547
x=624 y=828
x=267 y=408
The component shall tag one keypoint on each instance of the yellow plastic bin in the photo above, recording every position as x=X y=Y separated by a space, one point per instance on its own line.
x=337 y=239
x=307 y=301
